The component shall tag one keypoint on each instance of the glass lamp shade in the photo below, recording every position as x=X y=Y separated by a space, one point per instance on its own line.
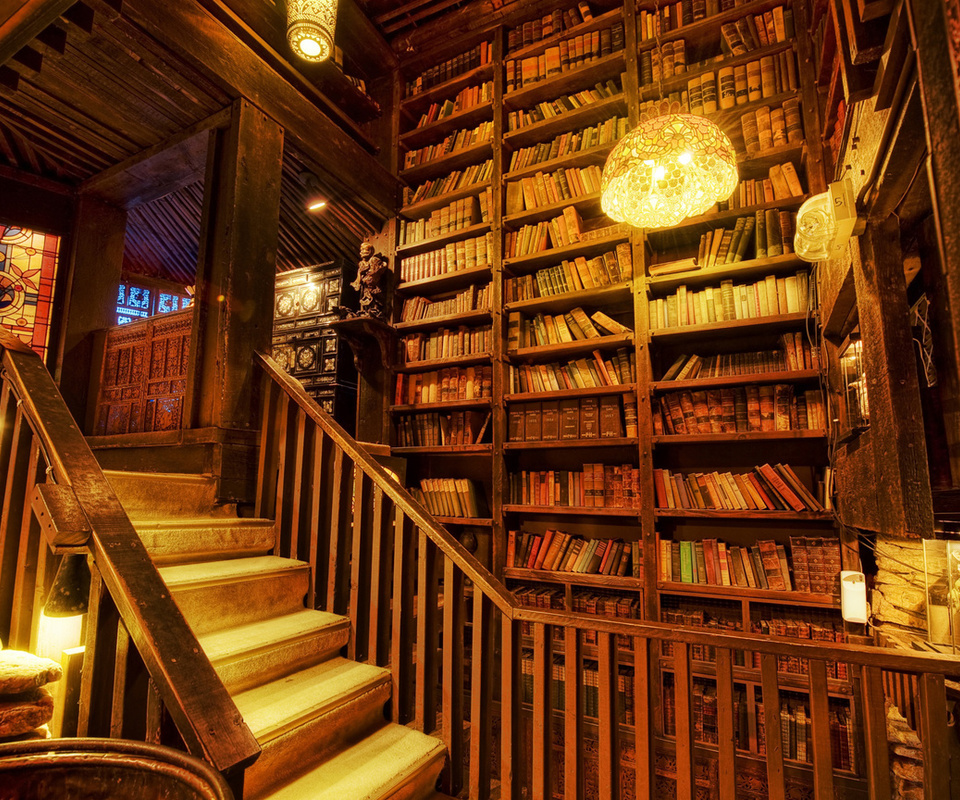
x=668 y=168
x=310 y=28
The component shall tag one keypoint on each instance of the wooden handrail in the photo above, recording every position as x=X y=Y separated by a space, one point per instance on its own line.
x=195 y=697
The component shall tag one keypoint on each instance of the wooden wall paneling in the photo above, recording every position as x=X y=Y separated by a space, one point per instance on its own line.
x=865 y=36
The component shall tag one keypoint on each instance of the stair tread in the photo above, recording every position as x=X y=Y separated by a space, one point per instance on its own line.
x=282 y=704
x=372 y=768
x=174 y=523
x=262 y=634
x=227 y=570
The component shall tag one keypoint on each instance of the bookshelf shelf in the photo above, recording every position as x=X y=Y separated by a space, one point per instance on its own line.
x=455 y=160
x=751 y=436
x=439 y=363
x=578 y=118
x=479 y=521
x=447 y=280
x=593 y=391
x=575 y=511
x=447 y=449
x=606 y=297
x=751 y=165
x=434 y=242
x=753 y=268
x=588 y=26
x=436 y=130
x=707 y=31
x=578 y=443
x=557 y=254
x=413 y=104
x=572 y=80
x=574 y=348
x=585 y=202
x=795 y=682
x=423 y=208
x=739 y=592
x=467 y=318
x=750 y=327
x=574 y=578
x=787 y=376
x=766 y=516
x=446 y=405
x=581 y=158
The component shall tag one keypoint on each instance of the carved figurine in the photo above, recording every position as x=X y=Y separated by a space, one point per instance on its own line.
x=370 y=274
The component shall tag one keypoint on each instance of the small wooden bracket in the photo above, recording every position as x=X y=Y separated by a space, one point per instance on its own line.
x=62 y=521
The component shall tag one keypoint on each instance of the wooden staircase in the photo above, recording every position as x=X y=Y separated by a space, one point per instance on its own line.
x=318 y=717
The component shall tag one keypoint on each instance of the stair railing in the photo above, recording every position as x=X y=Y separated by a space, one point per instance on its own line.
x=144 y=675
x=507 y=686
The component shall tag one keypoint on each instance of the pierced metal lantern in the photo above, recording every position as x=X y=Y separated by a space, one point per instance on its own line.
x=310 y=28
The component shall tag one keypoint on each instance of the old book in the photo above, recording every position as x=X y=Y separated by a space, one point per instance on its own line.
x=611 y=421
x=532 y=421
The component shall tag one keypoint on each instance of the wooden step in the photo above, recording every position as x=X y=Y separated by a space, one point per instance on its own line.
x=393 y=762
x=153 y=495
x=172 y=541
x=259 y=652
x=215 y=595
x=309 y=715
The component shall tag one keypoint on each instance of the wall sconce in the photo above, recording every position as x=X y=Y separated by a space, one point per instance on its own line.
x=310 y=28
x=315 y=199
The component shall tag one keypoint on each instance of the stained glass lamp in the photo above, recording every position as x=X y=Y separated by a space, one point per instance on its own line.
x=670 y=167
x=310 y=28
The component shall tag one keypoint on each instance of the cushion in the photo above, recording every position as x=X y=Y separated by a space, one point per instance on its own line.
x=20 y=672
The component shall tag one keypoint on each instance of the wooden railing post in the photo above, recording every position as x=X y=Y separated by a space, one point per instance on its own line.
x=573 y=715
x=771 y=719
x=510 y=711
x=683 y=712
x=872 y=699
x=726 y=726
x=454 y=618
x=483 y=670
x=933 y=735
x=542 y=746
x=608 y=749
x=401 y=646
x=99 y=660
x=643 y=717
x=17 y=470
x=820 y=731
x=428 y=595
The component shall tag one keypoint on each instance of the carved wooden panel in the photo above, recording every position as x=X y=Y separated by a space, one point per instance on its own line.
x=144 y=376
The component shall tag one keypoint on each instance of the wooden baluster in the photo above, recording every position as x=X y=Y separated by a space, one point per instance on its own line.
x=726 y=731
x=454 y=616
x=511 y=727
x=379 y=590
x=99 y=657
x=609 y=717
x=771 y=718
x=8 y=417
x=25 y=610
x=933 y=734
x=428 y=593
x=280 y=511
x=573 y=715
x=340 y=503
x=267 y=466
x=47 y=564
x=683 y=690
x=877 y=759
x=401 y=646
x=481 y=696
x=360 y=566
x=296 y=495
x=17 y=469
x=643 y=719
x=820 y=731
x=119 y=693
x=542 y=748
x=317 y=489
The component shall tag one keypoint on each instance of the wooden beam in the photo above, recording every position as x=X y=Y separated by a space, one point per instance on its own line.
x=30 y=58
x=194 y=34
x=54 y=38
x=9 y=78
x=18 y=27
x=81 y=15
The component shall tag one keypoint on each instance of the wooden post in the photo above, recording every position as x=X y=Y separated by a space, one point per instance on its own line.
x=236 y=269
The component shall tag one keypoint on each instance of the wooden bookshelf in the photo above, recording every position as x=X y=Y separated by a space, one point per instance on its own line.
x=756 y=325
x=423 y=207
x=592 y=391
x=580 y=158
x=578 y=347
x=716 y=219
x=578 y=118
x=413 y=105
x=765 y=516
x=435 y=131
x=555 y=255
x=804 y=599
x=482 y=522
x=614 y=297
x=741 y=437
x=625 y=583
x=574 y=511
x=466 y=318
x=446 y=281
x=446 y=405
x=583 y=202
x=439 y=363
x=599 y=22
x=447 y=449
x=436 y=242
x=456 y=159
x=786 y=376
x=551 y=444
x=706 y=32
x=568 y=82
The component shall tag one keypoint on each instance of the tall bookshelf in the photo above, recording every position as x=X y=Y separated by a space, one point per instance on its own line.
x=584 y=415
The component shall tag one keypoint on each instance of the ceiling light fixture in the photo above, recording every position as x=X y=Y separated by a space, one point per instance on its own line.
x=310 y=28
x=670 y=167
x=315 y=199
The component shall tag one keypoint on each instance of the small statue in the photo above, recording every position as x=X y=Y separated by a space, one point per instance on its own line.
x=370 y=273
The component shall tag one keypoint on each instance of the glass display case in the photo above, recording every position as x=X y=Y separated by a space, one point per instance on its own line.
x=941 y=562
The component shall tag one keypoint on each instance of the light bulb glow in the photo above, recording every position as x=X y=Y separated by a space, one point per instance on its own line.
x=310 y=28
x=317 y=205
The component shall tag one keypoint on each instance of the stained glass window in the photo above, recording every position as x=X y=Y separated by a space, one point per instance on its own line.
x=28 y=271
x=137 y=302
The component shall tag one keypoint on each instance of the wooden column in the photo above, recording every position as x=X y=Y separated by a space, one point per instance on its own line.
x=95 y=262
x=236 y=269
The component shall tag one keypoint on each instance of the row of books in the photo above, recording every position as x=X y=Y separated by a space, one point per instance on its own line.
x=569 y=142
x=543 y=189
x=596 y=486
x=546 y=329
x=446 y=343
x=573 y=419
x=459 y=214
x=765 y=565
x=771 y=232
x=467 y=97
x=769 y=297
x=796 y=732
x=589 y=679
x=451 y=497
x=606 y=269
x=586 y=601
x=473 y=298
x=796 y=353
x=740 y=409
x=616 y=369
x=733 y=86
x=557 y=551
x=444 y=385
x=753 y=31
x=562 y=105
x=768 y=127
x=663 y=62
x=700 y=617
x=560 y=231
x=476 y=251
x=669 y=16
x=452 y=143
x=458 y=179
x=797 y=626
x=565 y=55
x=441 y=430
x=451 y=68
x=782 y=183
x=557 y=21
x=703 y=708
